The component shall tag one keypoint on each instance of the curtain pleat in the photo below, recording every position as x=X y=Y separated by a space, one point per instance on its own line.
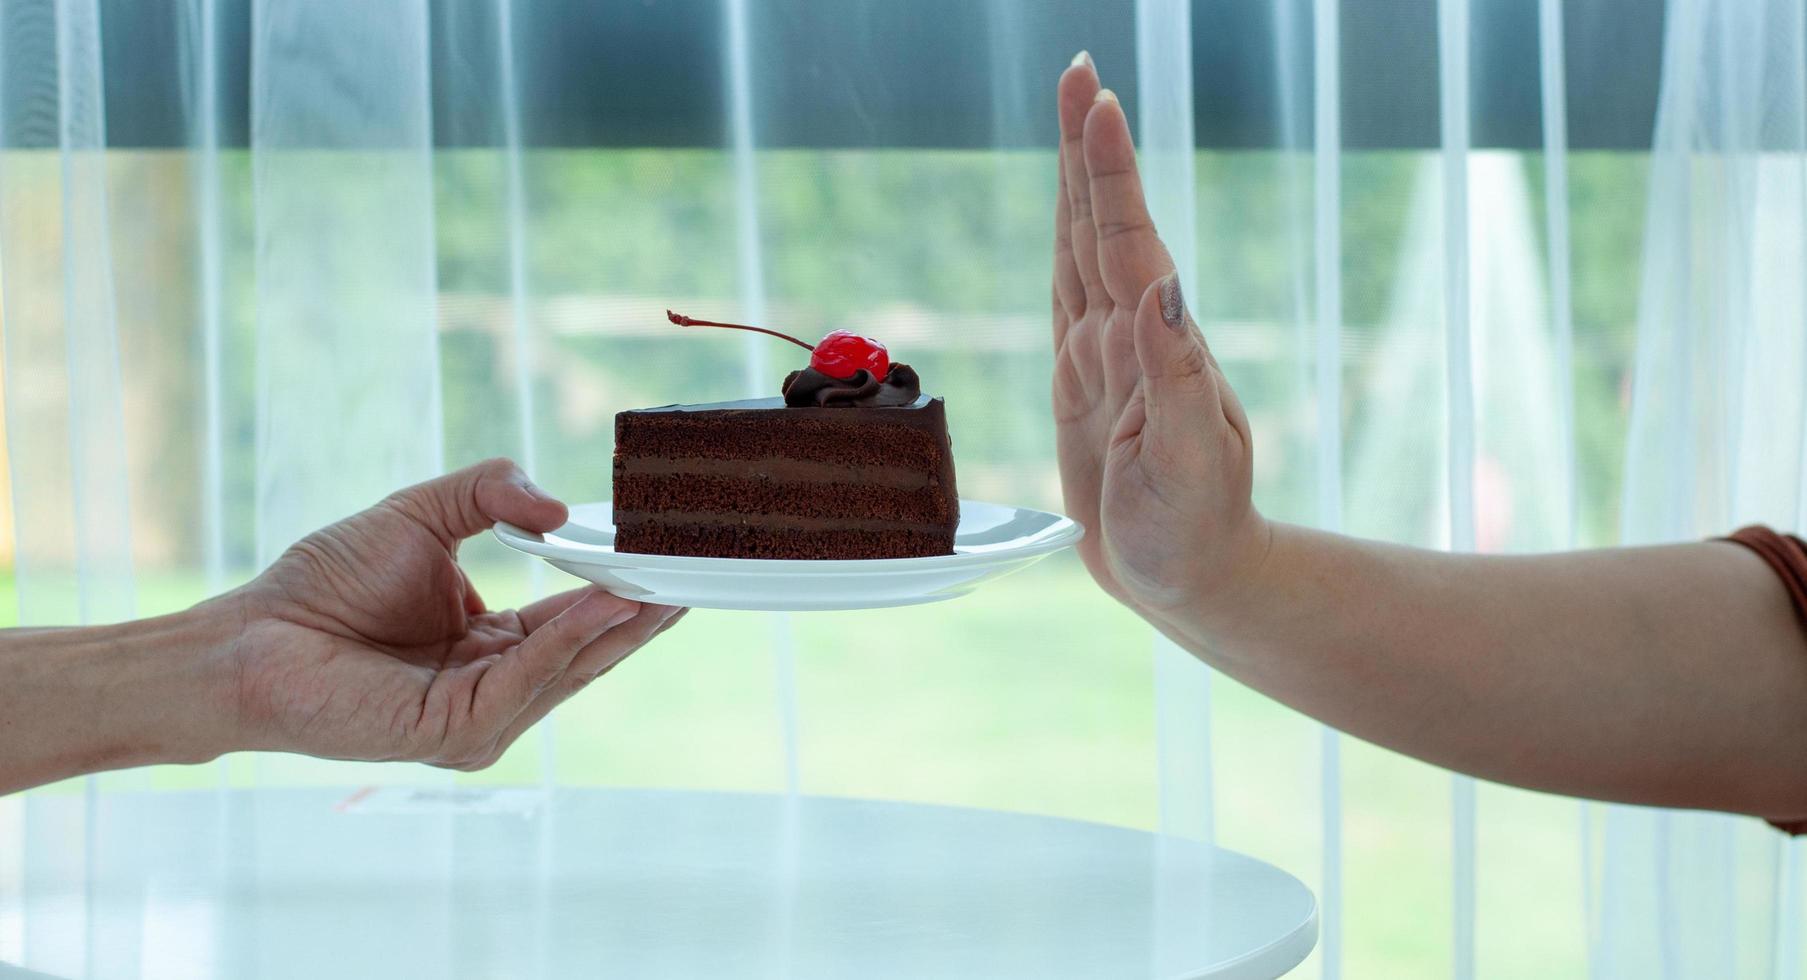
x=97 y=448
x=65 y=418
x=1164 y=127
x=1327 y=256
x=523 y=348
x=1307 y=60
x=348 y=373
x=1553 y=93
x=341 y=150
x=347 y=356
x=1306 y=51
x=742 y=140
x=66 y=441
x=199 y=39
x=483 y=186
x=1715 y=437
x=1459 y=427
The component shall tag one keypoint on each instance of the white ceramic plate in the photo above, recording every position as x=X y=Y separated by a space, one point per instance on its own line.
x=992 y=540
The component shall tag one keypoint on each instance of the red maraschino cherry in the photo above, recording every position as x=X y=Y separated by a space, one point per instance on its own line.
x=844 y=354
x=841 y=355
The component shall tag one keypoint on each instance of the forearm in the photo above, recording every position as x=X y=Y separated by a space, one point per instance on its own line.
x=1673 y=675
x=82 y=700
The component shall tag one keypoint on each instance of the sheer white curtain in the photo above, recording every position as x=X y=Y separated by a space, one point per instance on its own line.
x=261 y=262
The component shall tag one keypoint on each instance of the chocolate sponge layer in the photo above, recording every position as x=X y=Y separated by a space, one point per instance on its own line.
x=760 y=480
x=719 y=540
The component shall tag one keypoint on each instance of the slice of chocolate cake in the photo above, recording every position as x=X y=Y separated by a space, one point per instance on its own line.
x=848 y=467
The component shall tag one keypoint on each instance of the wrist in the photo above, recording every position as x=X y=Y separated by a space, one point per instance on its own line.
x=1209 y=605
x=164 y=686
x=86 y=699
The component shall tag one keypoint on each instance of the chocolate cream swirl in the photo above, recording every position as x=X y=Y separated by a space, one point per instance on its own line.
x=810 y=388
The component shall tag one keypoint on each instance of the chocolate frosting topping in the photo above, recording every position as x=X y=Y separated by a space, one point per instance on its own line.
x=810 y=388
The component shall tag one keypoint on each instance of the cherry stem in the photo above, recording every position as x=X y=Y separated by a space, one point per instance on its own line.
x=684 y=321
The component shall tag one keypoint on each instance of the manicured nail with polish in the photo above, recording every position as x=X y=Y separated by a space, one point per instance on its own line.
x=1173 y=305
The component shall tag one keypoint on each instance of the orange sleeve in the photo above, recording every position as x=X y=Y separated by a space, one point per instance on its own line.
x=1787 y=556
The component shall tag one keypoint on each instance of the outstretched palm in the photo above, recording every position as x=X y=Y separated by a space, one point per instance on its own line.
x=1154 y=448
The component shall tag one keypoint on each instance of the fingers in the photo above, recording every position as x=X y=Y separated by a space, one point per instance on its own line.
x=1130 y=253
x=473 y=499
x=1123 y=233
x=672 y=620
x=537 y=614
x=1075 y=94
x=600 y=657
x=544 y=655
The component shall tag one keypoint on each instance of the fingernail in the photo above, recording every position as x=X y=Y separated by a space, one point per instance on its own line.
x=1082 y=58
x=536 y=493
x=1173 y=305
x=1104 y=95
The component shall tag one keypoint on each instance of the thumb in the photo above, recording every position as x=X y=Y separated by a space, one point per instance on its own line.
x=1179 y=380
x=464 y=502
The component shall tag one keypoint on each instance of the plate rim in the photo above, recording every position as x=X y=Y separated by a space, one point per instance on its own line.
x=1064 y=532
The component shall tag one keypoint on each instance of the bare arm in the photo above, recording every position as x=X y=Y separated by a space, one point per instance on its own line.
x=76 y=701
x=363 y=641
x=1673 y=675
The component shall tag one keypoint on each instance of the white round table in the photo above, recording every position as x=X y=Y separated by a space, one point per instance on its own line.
x=457 y=882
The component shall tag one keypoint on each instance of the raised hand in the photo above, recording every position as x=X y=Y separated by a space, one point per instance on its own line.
x=1155 y=454
x=367 y=641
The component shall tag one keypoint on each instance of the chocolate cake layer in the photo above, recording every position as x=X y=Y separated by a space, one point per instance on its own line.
x=912 y=437
x=776 y=522
x=764 y=496
x=777 y=468
x=745 y=541
x=757 y=479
